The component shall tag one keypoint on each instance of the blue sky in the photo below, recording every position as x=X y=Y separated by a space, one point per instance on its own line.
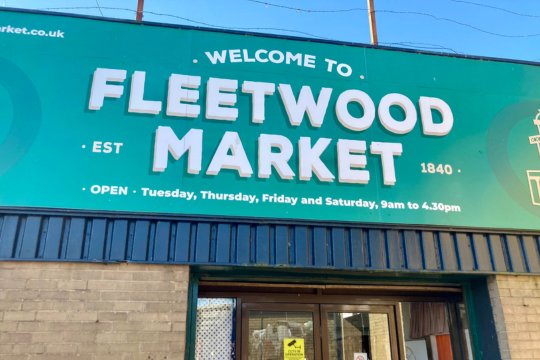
x=496 y=28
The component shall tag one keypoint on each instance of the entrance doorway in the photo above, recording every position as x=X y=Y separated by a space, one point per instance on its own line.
x=287 y=331
x=330 y=322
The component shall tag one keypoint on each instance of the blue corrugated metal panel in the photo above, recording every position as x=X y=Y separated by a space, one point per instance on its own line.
x=102 y=239
x=75 y=238
x=413 y=250
x=262 y=245
x=119 y=239
x=515 y=253
x=358 y=248
x=8 y=235
x=282 y=244
x=182 y=242
x=465 y=253
x=480 y=246
x=430 y=255
x=139 y=250
x=530 y=245
x=243 y=248
x=161 y=241
x=447 y=250
x=301 y=240
x=30 y=238
x=320 y=250
x=98 y=237
x=52 y=244
x=394 y=248
x=377 y=249
x=498 y=253
x=223 y=243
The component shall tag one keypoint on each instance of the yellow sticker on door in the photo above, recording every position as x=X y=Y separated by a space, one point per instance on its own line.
x=293 y=349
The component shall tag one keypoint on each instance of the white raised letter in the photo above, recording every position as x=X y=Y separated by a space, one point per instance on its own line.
x=391 y=124
x=387 y=152
x=348 y=159
x=306 y=103
x=178 y=95
x=349 y=121
x=166 y=141
x=430 y=128
x=236 y=161
x=258 y=91
x=279 y=160
x=218 y=92
x=217 y=56
x=100 y=89
x=137 y=104
x=309 y=159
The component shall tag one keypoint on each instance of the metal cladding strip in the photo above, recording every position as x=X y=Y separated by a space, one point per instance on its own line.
x=103 y=239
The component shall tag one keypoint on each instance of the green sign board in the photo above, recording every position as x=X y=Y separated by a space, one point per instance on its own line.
x=110 y=116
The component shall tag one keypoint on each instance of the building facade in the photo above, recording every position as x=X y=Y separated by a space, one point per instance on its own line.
x=180 y=193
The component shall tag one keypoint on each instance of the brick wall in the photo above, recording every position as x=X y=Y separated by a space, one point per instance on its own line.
x=516 y=309
x=80 y=311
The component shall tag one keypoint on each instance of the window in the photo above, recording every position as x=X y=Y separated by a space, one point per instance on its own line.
x=324 y=322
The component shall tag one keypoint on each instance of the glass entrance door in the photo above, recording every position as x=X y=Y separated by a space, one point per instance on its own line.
x=280 y=332
x=317 y=331
x=359 y=332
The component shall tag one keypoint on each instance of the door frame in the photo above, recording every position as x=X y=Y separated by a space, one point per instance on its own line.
x=279 y=294
x=320 y=325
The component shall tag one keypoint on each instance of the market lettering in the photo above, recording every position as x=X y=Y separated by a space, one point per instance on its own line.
x=230 y=154
x=274 y=151
x=183 y=94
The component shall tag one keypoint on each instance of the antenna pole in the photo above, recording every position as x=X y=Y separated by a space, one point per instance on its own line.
x=140 y=10
x=372 y=23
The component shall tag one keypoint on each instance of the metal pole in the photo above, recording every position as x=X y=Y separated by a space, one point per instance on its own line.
x=372 y=23
x=140 y=10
